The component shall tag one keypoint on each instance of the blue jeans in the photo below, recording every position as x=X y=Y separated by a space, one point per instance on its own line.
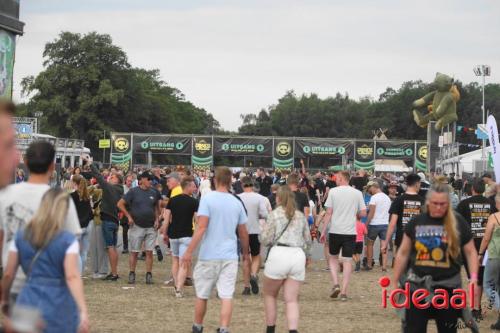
x=491 y=282
x=84 y=246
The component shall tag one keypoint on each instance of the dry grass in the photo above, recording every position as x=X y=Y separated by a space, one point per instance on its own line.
x=155 y=309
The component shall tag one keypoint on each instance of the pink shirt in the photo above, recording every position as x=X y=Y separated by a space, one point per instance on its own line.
x=360 y=231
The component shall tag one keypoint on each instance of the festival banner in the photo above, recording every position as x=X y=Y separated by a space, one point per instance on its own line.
x=421 y=157
x=491 y=126
x=121 y=151
x=241 y=146
x=387 y=150
x=283 y=154
x=172 y=144
x=364 y=157
x=7 y=49
x=322 y=147
x=202 y=157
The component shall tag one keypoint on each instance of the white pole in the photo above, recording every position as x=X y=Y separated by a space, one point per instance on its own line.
x=484 y=120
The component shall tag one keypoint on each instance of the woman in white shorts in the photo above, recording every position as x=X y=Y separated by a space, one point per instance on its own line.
x=287 y=231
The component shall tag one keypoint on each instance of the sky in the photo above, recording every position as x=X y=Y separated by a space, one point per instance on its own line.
x=240 y=56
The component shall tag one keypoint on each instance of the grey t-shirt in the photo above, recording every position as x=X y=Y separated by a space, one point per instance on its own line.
x=142 y=205
x=346 y=202
x=255 y=205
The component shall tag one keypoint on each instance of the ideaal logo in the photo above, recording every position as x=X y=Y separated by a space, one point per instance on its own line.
x=422 y=152
x=202 y=146
x=401 y=298
x=365 y=151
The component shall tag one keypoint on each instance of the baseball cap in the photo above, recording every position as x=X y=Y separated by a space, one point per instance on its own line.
x=146 y=174
x=487 y=175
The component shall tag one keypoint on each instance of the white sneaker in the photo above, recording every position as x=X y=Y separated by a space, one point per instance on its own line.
x=98 y=276
x=178 y=293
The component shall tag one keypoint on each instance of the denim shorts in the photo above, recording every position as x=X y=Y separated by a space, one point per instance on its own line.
x=179 y=246
x=375 y=231
x=110 y=233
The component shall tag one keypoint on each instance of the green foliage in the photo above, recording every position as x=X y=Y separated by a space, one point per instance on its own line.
x=343 y=117
x=88 y=86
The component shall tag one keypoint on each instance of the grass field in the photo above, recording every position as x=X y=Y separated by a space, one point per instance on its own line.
x=154 y=308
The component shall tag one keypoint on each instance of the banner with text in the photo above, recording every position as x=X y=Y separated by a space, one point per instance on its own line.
x=161 y=144
x=283 y=154
x=322 y=148
x=229 y=146
x=121 y=151
x=364 y=155
x=394 y=150
x=202 y=158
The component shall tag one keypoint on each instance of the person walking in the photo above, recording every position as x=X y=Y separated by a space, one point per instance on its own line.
x=344 y=206
x=287 y=233
x=49 y=256
x=81 y=199
x=141 y=206
x=255 y=205
x=430 y=257
x=99 y=261
x=220 y=216
x=491 y=242
x=178 y=229
x=377 y=222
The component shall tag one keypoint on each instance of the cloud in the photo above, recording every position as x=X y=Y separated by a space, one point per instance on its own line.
x=232 y=57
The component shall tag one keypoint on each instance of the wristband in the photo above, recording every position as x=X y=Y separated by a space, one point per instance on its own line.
x=473 y=276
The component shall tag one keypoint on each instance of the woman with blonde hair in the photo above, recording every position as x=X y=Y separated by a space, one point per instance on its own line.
x=430 y=257
x=81 y=198
x=287 y=233
x=49 y=257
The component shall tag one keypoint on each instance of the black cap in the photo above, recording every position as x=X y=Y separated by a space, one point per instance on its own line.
x=487 y=175
x=146 y=174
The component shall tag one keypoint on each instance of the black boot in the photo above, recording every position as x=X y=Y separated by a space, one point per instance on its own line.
x=271 y=329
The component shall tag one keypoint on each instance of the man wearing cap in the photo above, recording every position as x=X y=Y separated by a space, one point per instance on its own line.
x=143 y=218
x=112 y=191
x=377 y=221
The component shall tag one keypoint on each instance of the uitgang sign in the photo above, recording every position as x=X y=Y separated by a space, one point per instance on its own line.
x=440 y=300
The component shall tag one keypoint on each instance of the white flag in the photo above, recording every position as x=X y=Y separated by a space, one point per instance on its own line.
x=491 y=126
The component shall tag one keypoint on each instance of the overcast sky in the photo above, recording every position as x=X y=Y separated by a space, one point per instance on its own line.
x=239 y=56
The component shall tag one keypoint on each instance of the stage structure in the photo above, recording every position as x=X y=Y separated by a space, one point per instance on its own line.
x=203 y=152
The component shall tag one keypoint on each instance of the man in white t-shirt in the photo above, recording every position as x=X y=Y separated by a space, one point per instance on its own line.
x=344 y=206
x=19 y=202
x=377 y=221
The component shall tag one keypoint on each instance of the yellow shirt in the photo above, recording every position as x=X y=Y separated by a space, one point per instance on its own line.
x=176 y=191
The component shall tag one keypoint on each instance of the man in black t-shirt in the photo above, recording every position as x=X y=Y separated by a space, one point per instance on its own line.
x=300 y=198
x=403 y=209
x=178 y=228
x=264 y=181
x=476 y=210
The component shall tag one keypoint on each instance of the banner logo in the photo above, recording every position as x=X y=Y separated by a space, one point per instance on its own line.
x=203 y=146
x=283 y=148
x=422 y=153
x=121 y=144
x=365 y=151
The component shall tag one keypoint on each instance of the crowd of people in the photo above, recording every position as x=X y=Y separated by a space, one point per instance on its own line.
x=427 y=228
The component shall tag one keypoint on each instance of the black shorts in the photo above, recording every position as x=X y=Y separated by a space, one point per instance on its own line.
x=344 y=242
x=358 y=248
x=254 y=245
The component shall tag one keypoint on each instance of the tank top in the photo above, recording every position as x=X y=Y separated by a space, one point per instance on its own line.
x=494 y=246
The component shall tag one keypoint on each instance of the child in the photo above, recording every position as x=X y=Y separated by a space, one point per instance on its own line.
x=361 y=231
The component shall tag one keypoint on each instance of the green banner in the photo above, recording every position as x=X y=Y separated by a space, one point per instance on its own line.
x=7 y=49
x=172 y=144
x=234 y=146
x=386 y=150
x=322 y=147
x=364 y=155
x=283 y=154
x=421 y=160
x=202 y=157
x=121 y=151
